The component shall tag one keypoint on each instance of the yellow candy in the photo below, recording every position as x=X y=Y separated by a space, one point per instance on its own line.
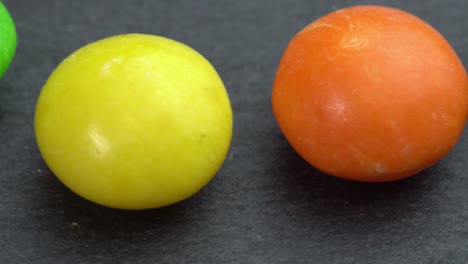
x=134 y=122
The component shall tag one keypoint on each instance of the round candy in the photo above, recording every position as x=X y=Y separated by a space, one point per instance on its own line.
x=134 y=122
x=7 y=39
x=370 y=93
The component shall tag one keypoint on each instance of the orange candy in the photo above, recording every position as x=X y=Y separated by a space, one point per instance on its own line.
x=370 y=93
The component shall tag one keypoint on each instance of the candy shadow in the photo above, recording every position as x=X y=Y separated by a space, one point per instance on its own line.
x=4 y=91
x=347 y=205
x=94 y=230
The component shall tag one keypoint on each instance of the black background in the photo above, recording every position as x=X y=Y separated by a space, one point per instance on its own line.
x=266 y=205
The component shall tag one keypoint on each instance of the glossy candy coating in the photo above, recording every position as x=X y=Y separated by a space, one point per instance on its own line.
x=134 y=122
x=370 y=93
x=7 y=39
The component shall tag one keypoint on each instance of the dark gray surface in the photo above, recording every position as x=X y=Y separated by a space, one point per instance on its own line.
x=266 y=205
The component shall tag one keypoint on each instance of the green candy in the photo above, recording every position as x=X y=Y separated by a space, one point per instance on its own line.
x=7 y=39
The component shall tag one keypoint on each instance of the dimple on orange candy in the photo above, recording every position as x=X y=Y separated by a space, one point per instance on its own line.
x=370 y=93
